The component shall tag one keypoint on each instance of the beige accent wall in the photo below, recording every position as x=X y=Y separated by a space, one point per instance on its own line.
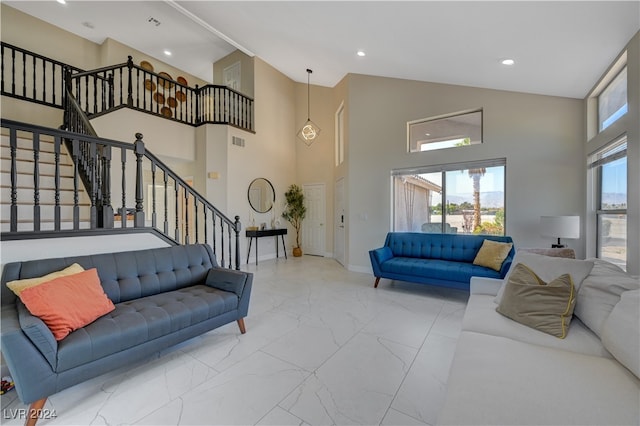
x=540 y=136
x=246 y=70
x=315 y=163
x=270 y=153
x=113 y=52
x=30 y=33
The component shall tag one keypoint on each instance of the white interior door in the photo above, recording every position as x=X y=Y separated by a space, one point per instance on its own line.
x=313 y=226
x=339 y=240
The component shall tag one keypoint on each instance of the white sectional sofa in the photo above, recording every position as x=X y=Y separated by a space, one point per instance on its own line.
x=507 y=373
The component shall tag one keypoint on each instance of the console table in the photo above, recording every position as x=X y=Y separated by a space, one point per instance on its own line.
x=259 y=233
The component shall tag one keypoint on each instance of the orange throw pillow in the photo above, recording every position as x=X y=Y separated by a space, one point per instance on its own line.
x=68 y=303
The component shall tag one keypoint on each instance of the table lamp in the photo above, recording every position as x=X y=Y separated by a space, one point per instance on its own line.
x=560 y=227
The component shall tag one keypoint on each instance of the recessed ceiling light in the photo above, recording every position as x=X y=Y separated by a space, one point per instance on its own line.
x=361 y=53
x=62 y=1
x=167 y=52
x=507 y=61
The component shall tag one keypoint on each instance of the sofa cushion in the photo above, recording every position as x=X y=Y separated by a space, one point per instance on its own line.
x=141 y=320
x=436 y=268
x=547 y=307
x=481 y=316
x=621 y=331
x=68 y=302
x=600 y=292
x=492 y=254
x=549 y=268
x=499 y=381
x=18 y=285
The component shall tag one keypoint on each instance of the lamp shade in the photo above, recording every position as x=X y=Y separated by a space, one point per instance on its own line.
x=560 y=226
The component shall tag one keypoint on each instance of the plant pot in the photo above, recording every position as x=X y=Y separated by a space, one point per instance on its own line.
x=297 y=252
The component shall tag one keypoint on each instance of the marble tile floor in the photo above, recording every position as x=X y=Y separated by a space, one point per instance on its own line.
x=323 y=347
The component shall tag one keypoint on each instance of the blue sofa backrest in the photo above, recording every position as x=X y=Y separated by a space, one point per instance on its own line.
x=456 y=247
x=126 y=275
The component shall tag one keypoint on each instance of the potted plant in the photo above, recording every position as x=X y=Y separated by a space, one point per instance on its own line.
x=294 y=212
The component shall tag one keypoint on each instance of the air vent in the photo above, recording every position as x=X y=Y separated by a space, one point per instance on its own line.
x=235 y=140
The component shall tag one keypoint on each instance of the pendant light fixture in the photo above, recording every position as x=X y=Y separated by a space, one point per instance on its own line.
x=310 y=131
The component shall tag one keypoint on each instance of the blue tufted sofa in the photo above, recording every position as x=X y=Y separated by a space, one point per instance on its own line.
x=162 y=297
x=439 y=259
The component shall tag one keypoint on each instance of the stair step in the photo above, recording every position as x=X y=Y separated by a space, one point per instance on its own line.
x=44 y=168
x=25 y=213
x=25 y=180
x=46 y=196
x=26 y=155
x=44 y=225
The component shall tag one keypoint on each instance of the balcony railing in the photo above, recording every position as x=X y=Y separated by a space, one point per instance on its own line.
x=36 y=78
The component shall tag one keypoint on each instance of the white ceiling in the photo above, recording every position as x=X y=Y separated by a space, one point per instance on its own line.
x=560 y=48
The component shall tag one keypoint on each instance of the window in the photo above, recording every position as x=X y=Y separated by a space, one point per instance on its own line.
x=466 y=198
x=612 y=102
x=340 y=134
x=449 y=131
x=608 y=167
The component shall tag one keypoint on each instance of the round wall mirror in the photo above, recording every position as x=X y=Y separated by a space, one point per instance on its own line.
x=261 y=195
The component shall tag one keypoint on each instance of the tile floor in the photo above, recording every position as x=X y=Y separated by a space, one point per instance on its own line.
x=322 y=347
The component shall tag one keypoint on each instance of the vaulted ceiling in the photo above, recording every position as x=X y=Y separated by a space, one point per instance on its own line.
x=559 y=48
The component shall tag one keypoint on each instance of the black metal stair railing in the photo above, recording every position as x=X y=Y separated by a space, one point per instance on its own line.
x=128 y=85
x=93 y=162
x=150 y=194
x=30 y=76
x=36 y=78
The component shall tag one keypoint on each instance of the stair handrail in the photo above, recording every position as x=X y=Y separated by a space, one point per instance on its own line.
x=138 y=148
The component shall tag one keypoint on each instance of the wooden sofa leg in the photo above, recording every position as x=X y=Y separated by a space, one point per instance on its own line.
x=377 y=281
x=241 y=325
x=34 y=412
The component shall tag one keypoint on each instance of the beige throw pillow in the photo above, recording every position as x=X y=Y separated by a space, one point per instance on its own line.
x=492 y=254
x=528 y=300
x=17 y=286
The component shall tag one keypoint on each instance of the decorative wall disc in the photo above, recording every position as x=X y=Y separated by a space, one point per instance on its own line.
x=166 y=81
x=166 y=111
x=146 y=65
x=159 y=98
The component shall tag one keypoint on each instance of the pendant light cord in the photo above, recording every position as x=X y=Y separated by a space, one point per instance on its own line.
x=308 y=94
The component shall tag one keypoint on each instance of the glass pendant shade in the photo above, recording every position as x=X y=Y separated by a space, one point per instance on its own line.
x=310 y=131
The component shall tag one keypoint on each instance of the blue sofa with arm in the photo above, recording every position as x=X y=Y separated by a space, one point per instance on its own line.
x=438 y=259
x=162 y=297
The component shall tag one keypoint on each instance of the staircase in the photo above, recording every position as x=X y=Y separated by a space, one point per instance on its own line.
x=50 y=201
x=61 y=183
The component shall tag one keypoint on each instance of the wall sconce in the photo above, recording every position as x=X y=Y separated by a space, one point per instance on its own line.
x=560 y=227
x=310 y=130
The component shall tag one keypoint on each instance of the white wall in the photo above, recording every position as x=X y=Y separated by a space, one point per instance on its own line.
x=22 y=250
x=540 y=136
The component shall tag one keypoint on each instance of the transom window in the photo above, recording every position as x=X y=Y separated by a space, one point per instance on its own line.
x=612 y=102
x=453 y=130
